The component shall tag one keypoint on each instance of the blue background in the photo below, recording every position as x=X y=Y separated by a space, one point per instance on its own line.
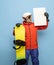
x=11 y=12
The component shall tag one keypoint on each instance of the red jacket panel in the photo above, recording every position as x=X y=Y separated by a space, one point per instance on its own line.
x=31 y=34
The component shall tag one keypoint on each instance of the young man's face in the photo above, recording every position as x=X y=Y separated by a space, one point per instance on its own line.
x=28 y=19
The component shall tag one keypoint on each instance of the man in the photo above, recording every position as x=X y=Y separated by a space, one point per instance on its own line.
x=31 y=37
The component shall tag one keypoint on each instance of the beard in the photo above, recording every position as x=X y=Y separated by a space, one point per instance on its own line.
x=28 y=20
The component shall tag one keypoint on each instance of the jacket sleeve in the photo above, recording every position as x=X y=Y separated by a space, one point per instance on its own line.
x=42 y=27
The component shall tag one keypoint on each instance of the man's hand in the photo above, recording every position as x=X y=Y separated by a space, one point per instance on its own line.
x=47 y=16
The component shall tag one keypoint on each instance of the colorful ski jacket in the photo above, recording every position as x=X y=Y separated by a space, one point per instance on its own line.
x=31 y=34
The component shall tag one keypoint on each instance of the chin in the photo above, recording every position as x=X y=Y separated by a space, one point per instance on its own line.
x=29 y=21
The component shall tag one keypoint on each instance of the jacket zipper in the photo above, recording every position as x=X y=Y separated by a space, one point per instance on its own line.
x=30 y=35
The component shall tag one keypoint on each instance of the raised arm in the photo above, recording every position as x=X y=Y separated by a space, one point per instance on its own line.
x=44 y=26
